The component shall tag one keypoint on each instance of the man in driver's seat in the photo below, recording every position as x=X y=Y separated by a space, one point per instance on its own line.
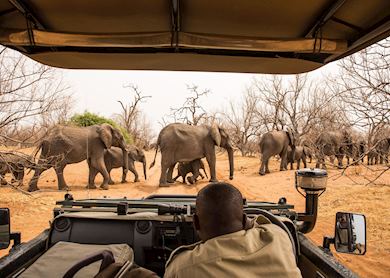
x=230 y=245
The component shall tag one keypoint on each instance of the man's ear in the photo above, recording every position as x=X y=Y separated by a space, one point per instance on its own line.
x=196 y=222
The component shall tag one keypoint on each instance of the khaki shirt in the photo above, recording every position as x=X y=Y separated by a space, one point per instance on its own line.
x=263 y=251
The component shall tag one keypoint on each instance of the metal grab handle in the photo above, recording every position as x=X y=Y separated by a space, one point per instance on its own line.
x=106 y=256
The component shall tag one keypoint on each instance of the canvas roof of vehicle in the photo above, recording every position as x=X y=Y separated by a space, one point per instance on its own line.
x=222 y=35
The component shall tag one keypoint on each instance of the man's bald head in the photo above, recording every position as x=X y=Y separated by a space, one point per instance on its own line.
x=219 y=210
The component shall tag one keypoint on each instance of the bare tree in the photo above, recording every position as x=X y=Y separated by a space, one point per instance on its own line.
x=363 y=84
x=132 y=118
x=191 y=112
x=28 y=92
x=242 y=122
x=299 y=103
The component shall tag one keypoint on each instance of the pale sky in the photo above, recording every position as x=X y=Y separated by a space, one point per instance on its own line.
x=99 y=90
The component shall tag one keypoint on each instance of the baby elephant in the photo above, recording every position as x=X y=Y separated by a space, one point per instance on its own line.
x=113 y=158
x=193 y=167
x=300 y=154
x=14 y=162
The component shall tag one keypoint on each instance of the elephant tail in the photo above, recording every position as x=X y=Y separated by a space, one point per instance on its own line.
x=30 y=161
x=34 y=154
x=154 y=160
x=261 y=145
x=204 y=170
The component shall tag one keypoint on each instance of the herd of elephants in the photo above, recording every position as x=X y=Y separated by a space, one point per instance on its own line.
x=104 y=148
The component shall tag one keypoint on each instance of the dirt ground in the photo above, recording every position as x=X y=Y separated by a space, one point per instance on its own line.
x=349 y=192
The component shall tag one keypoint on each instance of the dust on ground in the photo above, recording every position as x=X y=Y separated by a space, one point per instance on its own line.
x=31 y=214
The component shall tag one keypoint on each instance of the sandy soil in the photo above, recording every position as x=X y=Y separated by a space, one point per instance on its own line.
x=349 y=192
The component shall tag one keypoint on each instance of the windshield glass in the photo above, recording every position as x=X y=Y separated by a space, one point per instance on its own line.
x=57 y=124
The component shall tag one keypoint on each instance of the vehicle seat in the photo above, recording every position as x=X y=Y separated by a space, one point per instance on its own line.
x=56 y=261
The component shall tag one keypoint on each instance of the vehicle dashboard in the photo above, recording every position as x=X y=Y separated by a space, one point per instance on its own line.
x=153 y=227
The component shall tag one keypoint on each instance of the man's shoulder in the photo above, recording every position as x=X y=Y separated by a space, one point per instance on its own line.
x=182 y=252
x=180 y=257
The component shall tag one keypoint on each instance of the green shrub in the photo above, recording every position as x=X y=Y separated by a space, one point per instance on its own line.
x=88 y=119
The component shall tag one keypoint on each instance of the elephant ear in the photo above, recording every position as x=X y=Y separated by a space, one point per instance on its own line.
x=215 y=134
x=105 y=133
x=290 y=135
x=131 y=155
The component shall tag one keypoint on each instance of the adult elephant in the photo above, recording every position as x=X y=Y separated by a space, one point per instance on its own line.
x=361 y=148
x=184 y=143
x=68 y=144
x=372 y=157
x=113 y=158
x=333 y=143
x=383 y=150
x=275 y=142
x=357 y=151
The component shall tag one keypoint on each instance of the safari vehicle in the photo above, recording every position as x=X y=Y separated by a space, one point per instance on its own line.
x=158 y=224
x=276 y=37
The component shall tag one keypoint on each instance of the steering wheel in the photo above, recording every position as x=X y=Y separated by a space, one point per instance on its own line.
x=277 y=222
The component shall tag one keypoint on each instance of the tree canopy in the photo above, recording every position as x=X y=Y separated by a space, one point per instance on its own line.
x=88 y=119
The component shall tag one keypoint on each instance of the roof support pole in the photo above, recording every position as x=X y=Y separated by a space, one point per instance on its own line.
x=325 y=17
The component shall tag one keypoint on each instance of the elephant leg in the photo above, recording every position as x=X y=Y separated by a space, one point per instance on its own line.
x=165 y=163
x=99 y=165
x=195 y=175
x=60 y=177
x=91 y=177
x=324 y=163
x=133 y=170
x=340 y=161
x=264 y=164
x=291 y=165
x=39 y=169
x=15 y=174
x=283 y=161
x=110 y=181
x=170 y=173
x=210 y=157
x=267 y=171
x=19 y=175
x=318 y=162
x=3 y=180
x=304 y=162
x=183 y=176
x=331 y=158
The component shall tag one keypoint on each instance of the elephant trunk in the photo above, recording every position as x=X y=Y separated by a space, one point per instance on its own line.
x=144 y=165
x=231 y=162
x=125 y=160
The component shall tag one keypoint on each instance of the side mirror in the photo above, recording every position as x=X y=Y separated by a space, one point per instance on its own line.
x=5 y=232
x=350 y=233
